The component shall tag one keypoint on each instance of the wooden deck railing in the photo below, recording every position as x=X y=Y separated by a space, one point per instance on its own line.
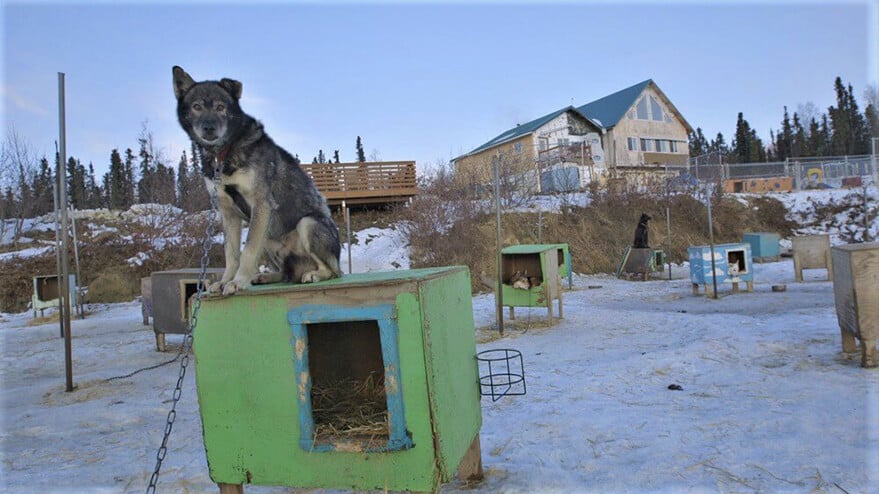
x=364 y=183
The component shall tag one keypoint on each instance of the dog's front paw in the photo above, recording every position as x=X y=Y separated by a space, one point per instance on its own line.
x=267 y=278
x=235 y=286
x=215 y=288
x=313 y=277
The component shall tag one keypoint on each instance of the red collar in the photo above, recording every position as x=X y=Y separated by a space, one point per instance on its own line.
x=221 y=156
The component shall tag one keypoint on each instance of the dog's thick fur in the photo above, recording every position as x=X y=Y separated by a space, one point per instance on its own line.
x=641 y=233
x=290 y=224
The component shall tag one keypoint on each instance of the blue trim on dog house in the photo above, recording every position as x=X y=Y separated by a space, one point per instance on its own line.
x=385 y=317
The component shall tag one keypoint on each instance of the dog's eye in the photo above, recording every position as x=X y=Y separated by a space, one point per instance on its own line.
x=219 y=107
x=196 y=106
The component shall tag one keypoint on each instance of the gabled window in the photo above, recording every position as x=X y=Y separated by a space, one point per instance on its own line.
x=656 y=110
x=642 y=109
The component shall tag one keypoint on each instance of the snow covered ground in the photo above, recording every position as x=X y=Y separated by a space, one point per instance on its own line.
x=768 y=403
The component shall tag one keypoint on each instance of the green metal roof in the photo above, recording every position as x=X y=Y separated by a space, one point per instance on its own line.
x=608 y=111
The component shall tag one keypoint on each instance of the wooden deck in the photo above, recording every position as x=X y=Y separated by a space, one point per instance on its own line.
x=371 y=182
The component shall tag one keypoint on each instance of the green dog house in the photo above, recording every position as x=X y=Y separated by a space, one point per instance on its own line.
x=540 y=268
x=282 y=369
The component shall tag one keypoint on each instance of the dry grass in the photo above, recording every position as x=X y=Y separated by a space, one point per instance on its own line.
x=350 y=410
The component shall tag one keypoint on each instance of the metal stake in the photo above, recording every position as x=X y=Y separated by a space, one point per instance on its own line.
x=63 y=282
x=499 y=293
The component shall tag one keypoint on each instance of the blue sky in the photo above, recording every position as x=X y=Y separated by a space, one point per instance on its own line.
x=422 y=81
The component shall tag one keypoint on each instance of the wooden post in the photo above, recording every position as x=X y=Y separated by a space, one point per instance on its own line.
x=231 y=488
x=470 y=468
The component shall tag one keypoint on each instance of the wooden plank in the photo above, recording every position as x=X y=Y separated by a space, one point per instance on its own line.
x=470 y=468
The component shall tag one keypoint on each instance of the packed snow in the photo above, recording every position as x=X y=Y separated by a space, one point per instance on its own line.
x=767 y=400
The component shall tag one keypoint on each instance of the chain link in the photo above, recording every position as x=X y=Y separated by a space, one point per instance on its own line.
x=193 y=322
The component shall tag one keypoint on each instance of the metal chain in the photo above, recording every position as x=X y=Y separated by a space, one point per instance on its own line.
x=193 y=322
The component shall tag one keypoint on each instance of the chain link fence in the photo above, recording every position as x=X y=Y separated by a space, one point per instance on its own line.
x=805 y=173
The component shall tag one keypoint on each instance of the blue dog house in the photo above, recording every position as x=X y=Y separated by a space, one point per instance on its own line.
x=764 y=245
x=732 y=264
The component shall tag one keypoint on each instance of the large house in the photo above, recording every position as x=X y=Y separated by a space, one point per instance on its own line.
x=630 y=133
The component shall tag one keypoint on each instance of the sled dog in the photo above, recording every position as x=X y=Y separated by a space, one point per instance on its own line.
x=641 y=233
x=291 y=228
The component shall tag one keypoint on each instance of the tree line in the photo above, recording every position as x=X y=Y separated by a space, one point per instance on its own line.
x=842 y=130
x=142 y=176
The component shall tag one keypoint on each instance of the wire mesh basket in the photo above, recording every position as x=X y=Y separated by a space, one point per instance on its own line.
x=501 y=373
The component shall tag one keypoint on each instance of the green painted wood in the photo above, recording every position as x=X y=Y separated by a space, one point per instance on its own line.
x=453 y=374
x=247 y=384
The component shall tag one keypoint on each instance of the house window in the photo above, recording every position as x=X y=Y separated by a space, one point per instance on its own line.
x=646 y=145
x=673 y=145
x=517 y=147
x=563 y=141
x=633 y=143
x=642 y=109
x=542 y=143
x=656 y=109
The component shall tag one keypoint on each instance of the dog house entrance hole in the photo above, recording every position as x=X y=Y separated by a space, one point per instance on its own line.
x=515 y=266
x=348 y=399
x=737 y=258
x=188 y=288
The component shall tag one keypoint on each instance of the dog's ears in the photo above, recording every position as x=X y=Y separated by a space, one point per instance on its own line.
x=234 y=87
x=182 y=81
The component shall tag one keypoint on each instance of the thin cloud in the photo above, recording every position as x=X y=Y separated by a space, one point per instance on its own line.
x=21 y=102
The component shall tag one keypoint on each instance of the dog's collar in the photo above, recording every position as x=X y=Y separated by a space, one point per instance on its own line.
x=224 y=152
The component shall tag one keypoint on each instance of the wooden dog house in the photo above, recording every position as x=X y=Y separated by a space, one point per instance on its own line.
x=732 y=264
x=170 y=293
x=287 y=373
x=856 y=293
x=765 y=246
x=47 y=292
x=811 y=252
x=638 y=263
x=538 y=265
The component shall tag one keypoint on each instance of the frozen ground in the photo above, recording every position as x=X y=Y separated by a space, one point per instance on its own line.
x=768 y=403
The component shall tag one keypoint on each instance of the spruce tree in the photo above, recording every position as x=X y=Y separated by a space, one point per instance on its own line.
x=872 y=118
x=361 y=156
x=127 y=183
x=114 y=182
x=741 y=150
x=857 y=123
x=95 y=199
x=840 y=121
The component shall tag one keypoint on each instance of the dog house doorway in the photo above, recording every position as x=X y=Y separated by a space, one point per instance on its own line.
x=348 y=398
x=348 y=374
x=736 y=261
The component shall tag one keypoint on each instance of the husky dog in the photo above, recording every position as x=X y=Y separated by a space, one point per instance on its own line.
x=261 y=183
x=641 y=233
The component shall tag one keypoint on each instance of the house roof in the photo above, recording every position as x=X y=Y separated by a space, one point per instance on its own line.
x=525 y=129
x=609 y=110
x=604 y=113
x=520 y=130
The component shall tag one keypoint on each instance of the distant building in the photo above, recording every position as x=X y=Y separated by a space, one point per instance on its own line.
x=622 y=135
